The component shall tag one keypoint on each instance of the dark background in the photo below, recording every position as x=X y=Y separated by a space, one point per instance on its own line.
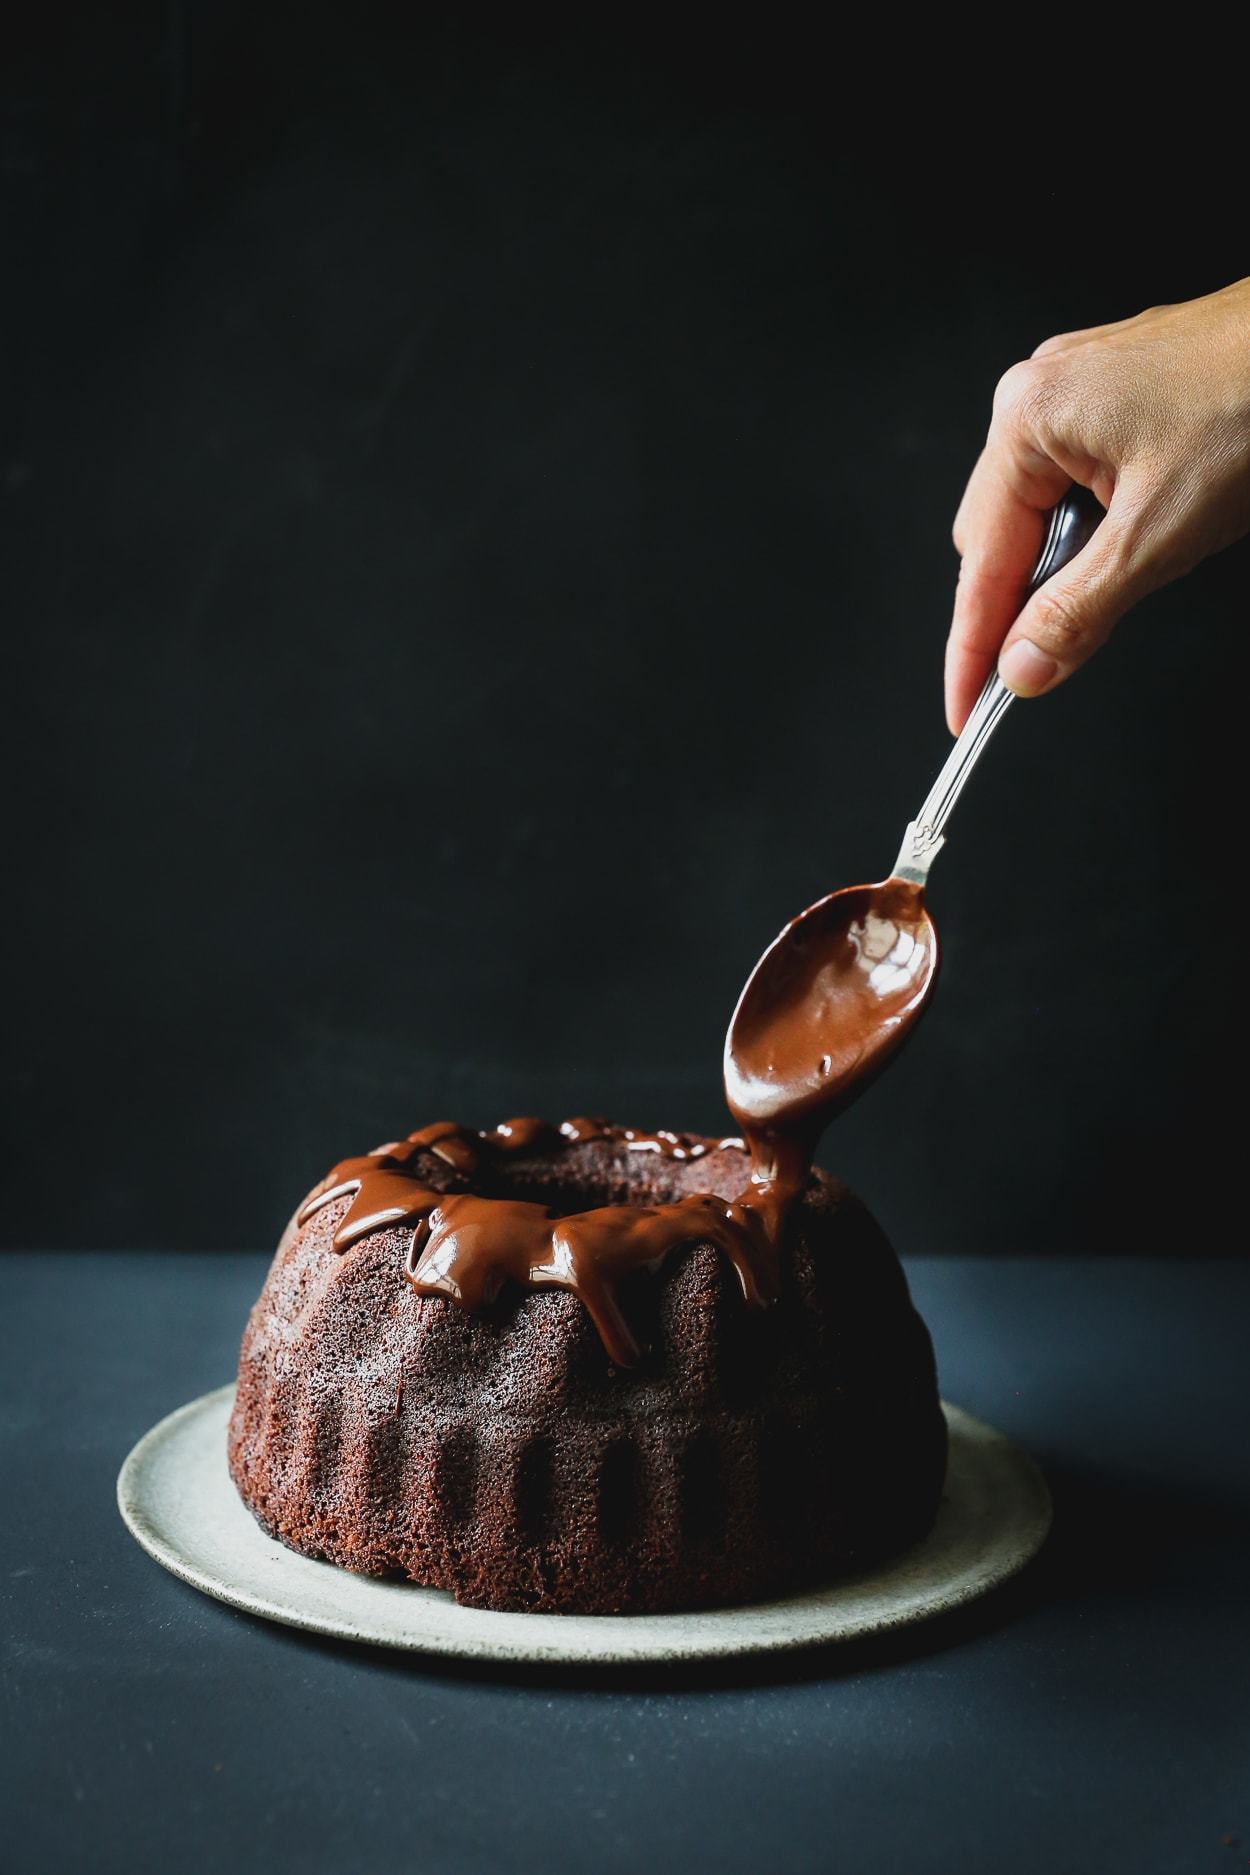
x=476 y=507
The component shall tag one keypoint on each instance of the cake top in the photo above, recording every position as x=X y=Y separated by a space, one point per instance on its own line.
x=466 y=1245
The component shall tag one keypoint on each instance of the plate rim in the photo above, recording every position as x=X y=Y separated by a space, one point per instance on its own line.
x=551 y=1639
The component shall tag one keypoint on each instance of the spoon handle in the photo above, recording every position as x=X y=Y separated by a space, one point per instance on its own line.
x=1072 y=526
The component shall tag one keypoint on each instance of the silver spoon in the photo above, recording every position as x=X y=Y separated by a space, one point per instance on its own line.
x=839 y=990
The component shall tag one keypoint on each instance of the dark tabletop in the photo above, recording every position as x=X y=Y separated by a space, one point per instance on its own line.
x=1095 y=1715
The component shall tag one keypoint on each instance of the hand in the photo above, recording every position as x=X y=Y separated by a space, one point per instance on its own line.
x=1153 y=414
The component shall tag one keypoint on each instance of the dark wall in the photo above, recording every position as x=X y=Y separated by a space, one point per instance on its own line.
x=477 y=560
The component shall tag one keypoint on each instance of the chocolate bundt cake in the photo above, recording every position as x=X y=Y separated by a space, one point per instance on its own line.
x=565 y=1370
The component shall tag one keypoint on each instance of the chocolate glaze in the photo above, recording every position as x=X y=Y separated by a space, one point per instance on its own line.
x=827 y=1004
x=466 y=1246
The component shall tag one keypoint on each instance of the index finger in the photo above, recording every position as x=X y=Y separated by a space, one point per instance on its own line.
x=998 y=532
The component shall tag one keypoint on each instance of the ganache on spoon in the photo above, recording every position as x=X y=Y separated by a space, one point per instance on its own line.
x=844 y=985
x=826 y=1006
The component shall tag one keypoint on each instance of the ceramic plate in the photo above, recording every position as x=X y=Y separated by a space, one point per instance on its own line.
x=178 y=1501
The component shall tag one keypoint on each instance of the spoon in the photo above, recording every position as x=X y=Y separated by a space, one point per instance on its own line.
x=843 y=986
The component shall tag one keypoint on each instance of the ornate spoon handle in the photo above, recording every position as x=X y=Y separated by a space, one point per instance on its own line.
x=1072 y=525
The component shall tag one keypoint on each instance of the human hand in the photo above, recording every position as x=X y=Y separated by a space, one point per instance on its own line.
x=1151 y=413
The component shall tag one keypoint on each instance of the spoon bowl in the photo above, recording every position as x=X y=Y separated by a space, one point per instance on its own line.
x=834 y=996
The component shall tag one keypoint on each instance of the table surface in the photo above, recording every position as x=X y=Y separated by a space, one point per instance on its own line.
x=1094 y=1715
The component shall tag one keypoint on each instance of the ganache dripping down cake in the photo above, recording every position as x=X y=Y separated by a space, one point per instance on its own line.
x=586 y=1369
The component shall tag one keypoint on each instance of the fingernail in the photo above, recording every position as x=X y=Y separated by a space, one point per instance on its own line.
x=1026 y=669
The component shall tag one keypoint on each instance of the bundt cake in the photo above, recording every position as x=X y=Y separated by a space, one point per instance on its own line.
x=567 y=1370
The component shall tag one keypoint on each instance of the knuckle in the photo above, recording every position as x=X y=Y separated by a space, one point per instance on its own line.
x=1061 y=619
x=1023 y=391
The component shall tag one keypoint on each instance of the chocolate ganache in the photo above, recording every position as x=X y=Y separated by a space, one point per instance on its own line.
x=465 y=1245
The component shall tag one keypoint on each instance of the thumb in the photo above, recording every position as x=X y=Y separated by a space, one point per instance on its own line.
x=1073 y=614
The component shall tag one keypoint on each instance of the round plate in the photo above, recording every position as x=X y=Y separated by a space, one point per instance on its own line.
x=179 y=1502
